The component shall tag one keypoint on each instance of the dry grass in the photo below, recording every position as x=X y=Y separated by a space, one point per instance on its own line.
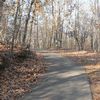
x=91 y=61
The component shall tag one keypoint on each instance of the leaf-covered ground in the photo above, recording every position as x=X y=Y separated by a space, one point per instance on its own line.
x=91 y=61
x=17 y=79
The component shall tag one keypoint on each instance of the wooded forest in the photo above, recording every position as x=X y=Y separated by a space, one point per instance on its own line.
x=59 y=26
x=44 y=24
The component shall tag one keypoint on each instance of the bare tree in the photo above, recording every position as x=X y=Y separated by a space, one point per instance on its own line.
x=15 y=24
x=1 y=8
x=26 y=22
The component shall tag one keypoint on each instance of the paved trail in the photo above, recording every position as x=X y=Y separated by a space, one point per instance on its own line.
x=63 y=81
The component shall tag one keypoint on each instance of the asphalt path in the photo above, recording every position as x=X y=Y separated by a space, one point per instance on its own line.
x=63 y=81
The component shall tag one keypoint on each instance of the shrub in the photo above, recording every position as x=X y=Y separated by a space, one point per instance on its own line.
x=4 y=61
x=24 y=54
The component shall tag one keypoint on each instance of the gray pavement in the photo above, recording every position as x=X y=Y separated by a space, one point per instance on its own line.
x=63 y=81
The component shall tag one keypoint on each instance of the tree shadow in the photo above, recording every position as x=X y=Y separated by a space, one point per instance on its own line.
x=63 y=81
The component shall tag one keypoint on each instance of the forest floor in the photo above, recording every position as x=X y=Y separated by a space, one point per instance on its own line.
x=17 y=74
x=64 y=80
x=91 y=61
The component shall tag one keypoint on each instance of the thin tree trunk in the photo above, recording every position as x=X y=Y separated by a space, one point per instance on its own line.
x=26 y=23
x=1 y=8
x=15 y=21
x=30 y=36
x=37 y=35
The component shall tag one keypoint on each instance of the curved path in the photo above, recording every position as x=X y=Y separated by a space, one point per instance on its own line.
x=63 y=81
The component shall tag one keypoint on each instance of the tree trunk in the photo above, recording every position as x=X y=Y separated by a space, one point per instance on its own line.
x=37 y=35
x=26 y=23
x=1 y=8
x=15 y=22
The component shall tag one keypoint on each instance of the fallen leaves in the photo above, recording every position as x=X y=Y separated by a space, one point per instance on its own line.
x=91 y=61
x=17 y=79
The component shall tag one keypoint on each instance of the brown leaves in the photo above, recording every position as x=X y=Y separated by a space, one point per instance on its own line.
x=17 y=78
x=91 y=61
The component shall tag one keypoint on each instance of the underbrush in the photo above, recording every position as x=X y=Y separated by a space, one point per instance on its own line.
x=19 y=72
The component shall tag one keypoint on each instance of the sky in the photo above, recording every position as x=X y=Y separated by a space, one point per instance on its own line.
x=86 y=4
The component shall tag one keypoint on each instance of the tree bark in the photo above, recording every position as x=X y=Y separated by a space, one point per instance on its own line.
x=26 y=23
x=1 y=8
x=15 y=21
